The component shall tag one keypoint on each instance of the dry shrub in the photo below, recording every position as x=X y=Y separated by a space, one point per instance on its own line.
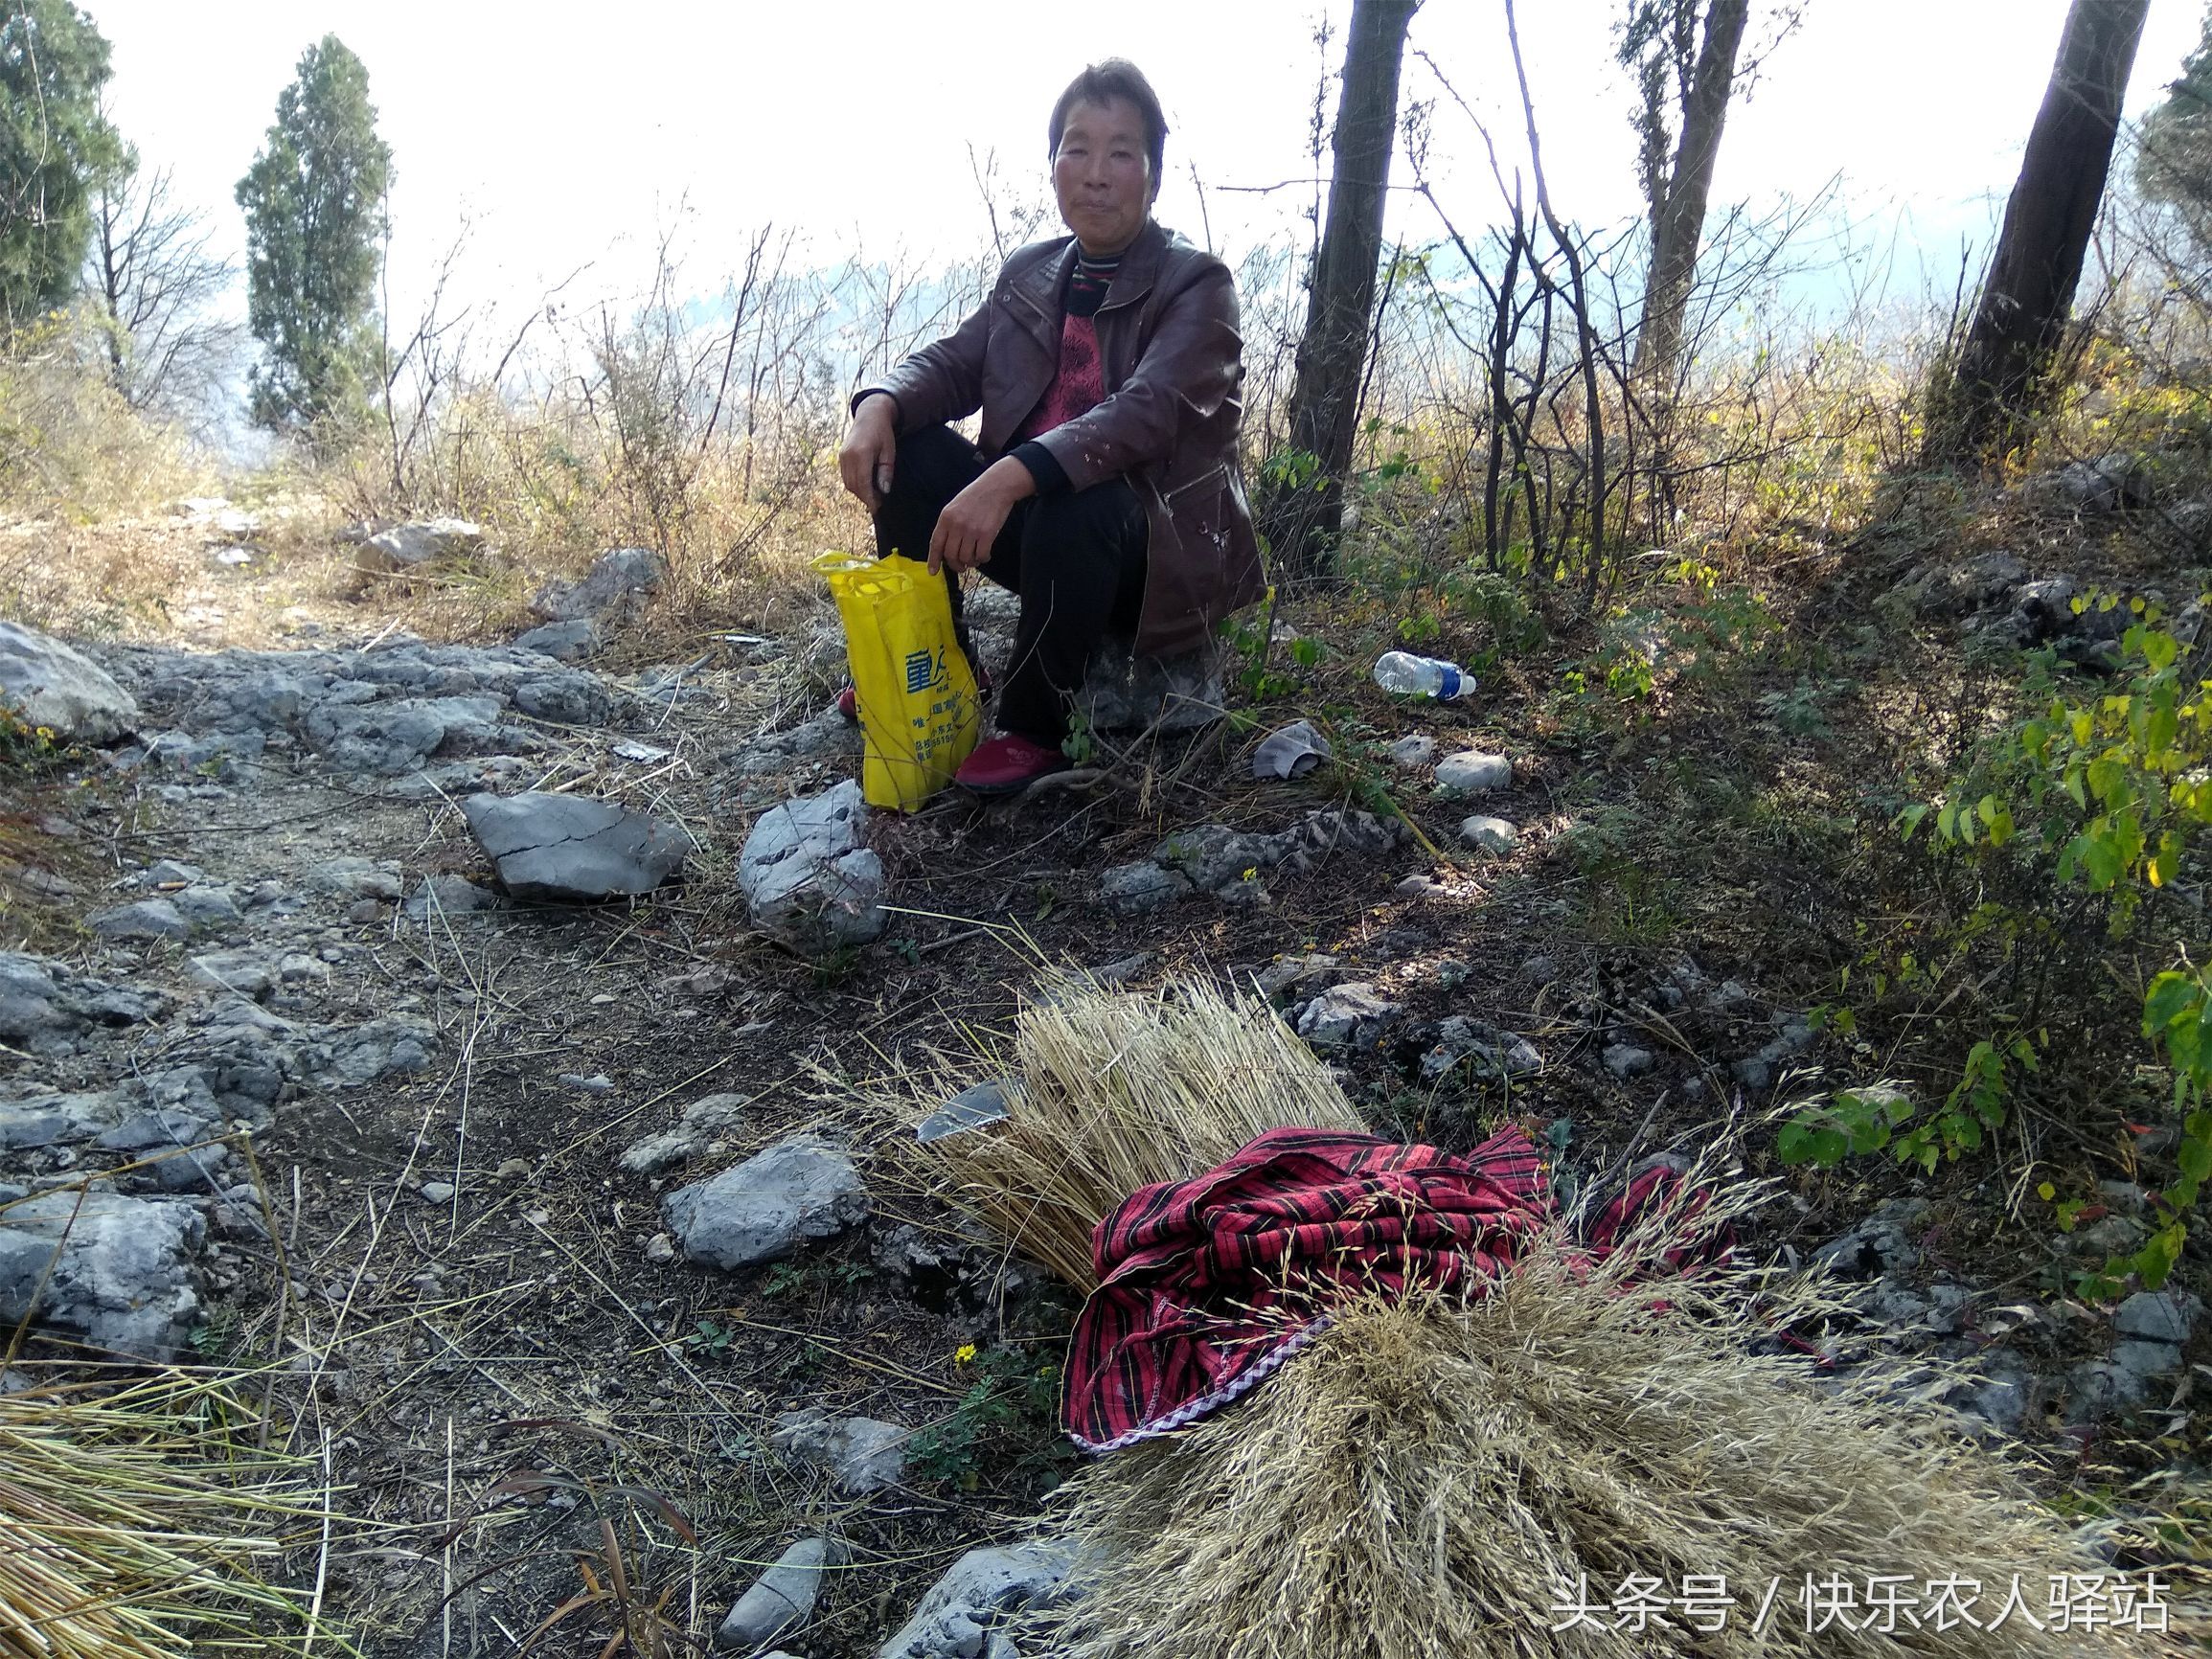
x=71 y=447
x=1117 y=1091
x=135 y=1523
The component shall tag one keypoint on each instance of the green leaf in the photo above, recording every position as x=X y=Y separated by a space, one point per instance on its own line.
x=2159 y=1254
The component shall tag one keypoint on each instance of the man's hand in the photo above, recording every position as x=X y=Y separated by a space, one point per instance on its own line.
x=972 y=520
x=864 y=460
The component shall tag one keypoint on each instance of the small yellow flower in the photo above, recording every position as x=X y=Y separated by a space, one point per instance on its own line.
x=963 y=1354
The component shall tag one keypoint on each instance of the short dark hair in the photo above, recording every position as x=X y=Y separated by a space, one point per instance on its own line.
x=1115 y=77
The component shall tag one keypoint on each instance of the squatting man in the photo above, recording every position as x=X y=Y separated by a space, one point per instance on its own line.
x=1104 y=487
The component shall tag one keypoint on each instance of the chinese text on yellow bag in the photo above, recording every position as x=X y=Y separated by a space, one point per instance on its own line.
x=917 y=692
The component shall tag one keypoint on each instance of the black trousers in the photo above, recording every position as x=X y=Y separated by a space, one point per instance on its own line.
x=1077 y=559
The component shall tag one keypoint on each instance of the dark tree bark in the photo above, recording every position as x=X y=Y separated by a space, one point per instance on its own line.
x=1303 y=519
x=1679 y=215
x=1984 y=407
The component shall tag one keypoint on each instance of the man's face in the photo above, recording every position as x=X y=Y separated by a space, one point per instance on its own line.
x=1103 y=174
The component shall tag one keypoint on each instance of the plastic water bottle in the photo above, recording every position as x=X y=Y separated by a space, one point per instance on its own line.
x=1415 y=676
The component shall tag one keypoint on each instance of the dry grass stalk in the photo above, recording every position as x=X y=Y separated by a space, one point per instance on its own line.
x=138 y=1523
x=1416 y=1484
x=1117 y=1091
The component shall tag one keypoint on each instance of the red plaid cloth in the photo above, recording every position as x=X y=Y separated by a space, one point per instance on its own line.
x=1206 y=1286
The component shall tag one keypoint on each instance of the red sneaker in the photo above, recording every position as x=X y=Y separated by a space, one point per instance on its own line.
x=1008 y=766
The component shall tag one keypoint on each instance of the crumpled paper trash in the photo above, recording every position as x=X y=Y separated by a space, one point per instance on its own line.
x=1291 y=752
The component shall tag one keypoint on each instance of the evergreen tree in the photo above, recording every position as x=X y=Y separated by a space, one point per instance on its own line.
x=55 y=149
x=2174 y=161
x=314 y=205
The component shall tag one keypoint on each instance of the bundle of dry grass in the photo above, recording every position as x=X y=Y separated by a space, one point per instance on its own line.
x=134 y=1525
x=1442 y=1482
x=1117 y=1091
x=1422 y=1482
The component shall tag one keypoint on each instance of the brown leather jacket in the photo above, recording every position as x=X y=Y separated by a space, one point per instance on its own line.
x=1172 y=362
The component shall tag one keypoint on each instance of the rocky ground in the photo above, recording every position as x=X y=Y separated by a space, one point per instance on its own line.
x=470 y=1036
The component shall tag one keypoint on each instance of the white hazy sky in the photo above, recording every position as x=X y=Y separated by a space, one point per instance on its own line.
x=570 y=134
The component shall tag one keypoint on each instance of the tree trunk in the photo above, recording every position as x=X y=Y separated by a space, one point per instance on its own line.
x=1983 y=409
x=1304 y=518
x=1678 y=224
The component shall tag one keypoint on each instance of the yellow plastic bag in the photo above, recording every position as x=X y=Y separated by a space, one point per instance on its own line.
x=919 y=711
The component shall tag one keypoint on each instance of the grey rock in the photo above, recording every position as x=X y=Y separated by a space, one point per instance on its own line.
x=2101 y=1388
x=1881 y=1245
x=1472 y=772
x=1952 y=590
x=1490 y=834
x=1951 y=1308
x=692 y=1134
x=1346 y=1013
x=1280 y=975
x=117 y=1270
x=863 y=1454
x=390 y=735
x=448 y=896
x=824 y=735
x=2157 y=1316
x=192 y=1169
x=1126 y=692
x=1213 y=856
x=1754 y=1074
x=1123 y=968
x=247 y=972
x=2000 y=1395
x=597 y=1083
x=1626 y=1060
x=1133 y=889
x=215 y=755
x=2106 y=484
x=52 y=684
x=809 y=884
x=2147 y=1359
x=206 y=906
x=563 y=698
x=618 y=581
x=394 y=1046
x=1413 y=751
x=163 y=1126
x=170 y=872
x=2112 y=1235
x=570 y=847
x=565 y=642
x=782 y=1598
x=146 y=919
x=1420 y=885
x=2129 y=1198
x=437 y=1191
x=798 y=1190
x=1489 y=1052
x=357 y=878
x=58 y=1119
x=419 y=542
x=981 y=1591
